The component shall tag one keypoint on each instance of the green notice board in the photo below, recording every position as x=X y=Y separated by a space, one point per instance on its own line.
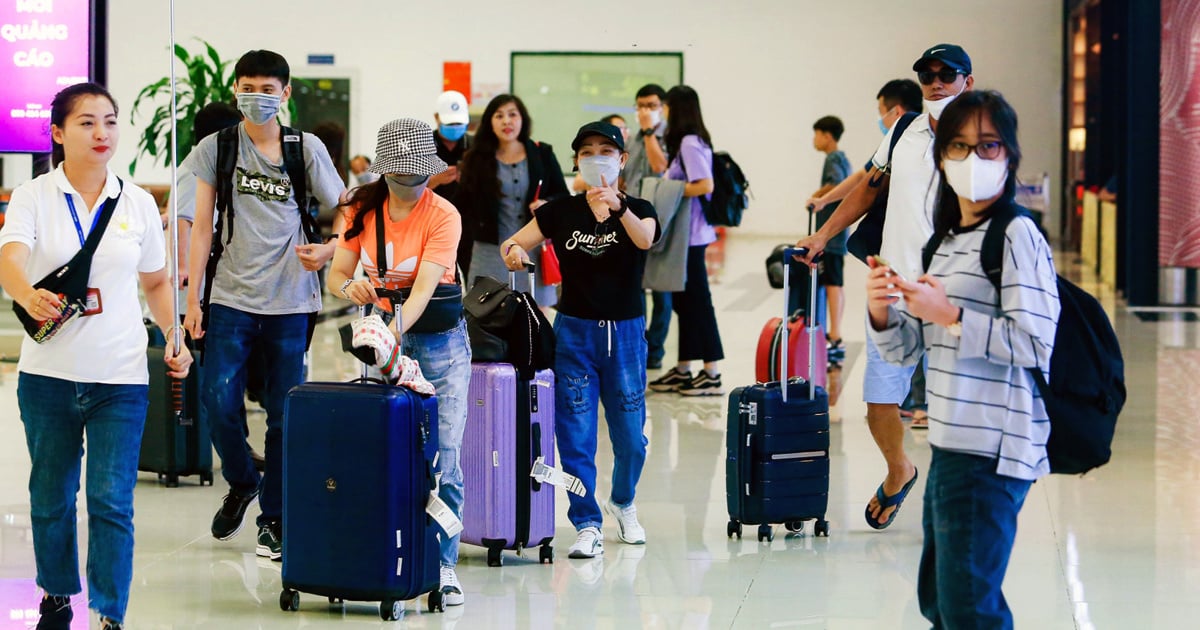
x=564 y=90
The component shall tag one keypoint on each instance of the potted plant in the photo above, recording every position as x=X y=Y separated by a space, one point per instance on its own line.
x=207 y=79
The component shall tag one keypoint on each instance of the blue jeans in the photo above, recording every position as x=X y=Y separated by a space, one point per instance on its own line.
x=230 y=337
x=445 y=359
x=970 y=521
x=660 y=325
x=57 y=415
x=600 y=361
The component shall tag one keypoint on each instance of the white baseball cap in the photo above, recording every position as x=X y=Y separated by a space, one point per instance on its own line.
x=452 y=108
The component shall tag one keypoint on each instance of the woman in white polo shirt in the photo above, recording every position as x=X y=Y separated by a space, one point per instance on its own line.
x=91 y=377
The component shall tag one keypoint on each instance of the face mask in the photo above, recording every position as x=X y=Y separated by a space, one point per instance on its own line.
x=976 y=179
x=259 y=109
x=406 y=187
x=935 y=108
x=453 y=133
x=883 y=128
x=655 y=117
x=594 y=166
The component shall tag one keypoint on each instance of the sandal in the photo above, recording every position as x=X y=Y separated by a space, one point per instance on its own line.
x=886 y=502
x=920 y=419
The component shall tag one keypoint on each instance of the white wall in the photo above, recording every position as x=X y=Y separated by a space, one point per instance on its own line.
x=765 y=69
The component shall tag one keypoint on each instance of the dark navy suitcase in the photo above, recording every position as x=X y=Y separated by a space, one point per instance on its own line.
x=359 y=463
x=175 y=440
x=777 y=452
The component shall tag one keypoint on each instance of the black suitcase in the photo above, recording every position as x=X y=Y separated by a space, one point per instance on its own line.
x=175 y=442
x=777 y=452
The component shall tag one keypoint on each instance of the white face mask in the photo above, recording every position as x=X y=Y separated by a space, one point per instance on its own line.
x=593 y=166
x=935 y=108
x=976 y=179
x=655 y=117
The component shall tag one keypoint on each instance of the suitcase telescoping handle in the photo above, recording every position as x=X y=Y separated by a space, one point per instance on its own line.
x=512 y=277
x=811 y=319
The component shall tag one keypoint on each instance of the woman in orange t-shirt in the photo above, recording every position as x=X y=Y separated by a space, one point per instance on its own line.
x=416 y=255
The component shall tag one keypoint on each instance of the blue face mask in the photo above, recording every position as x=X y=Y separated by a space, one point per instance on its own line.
x=453 y=133
x=882 y=127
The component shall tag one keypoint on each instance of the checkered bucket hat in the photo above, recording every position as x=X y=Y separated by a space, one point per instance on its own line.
x=405 y=146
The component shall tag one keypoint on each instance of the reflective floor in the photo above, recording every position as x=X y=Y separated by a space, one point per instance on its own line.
x=1119 y=548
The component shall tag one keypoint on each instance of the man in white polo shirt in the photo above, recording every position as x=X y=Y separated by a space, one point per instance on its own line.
x=944 y=72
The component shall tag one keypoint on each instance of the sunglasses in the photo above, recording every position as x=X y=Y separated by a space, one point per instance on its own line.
x=945 y=75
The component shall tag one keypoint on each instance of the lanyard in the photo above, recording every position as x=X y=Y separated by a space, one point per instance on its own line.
x=75 y=218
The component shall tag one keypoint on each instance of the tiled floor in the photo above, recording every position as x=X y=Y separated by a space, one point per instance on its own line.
x=1119 y=548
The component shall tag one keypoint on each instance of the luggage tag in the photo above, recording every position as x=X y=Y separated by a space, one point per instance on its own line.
x=444 y=516
x=555 y=477
x=93 y=305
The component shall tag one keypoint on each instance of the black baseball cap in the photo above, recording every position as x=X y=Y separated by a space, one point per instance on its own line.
x=608 y=131
x=950 y=54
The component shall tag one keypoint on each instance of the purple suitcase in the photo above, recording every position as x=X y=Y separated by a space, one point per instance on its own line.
x=510 y=423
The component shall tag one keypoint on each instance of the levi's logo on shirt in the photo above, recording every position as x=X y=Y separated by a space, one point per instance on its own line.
x=591 y=244
x=262 y=186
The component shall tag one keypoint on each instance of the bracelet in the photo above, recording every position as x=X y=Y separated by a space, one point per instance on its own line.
x=509 y=248
x=346 y=285
x=619 y=211
x=167 y=332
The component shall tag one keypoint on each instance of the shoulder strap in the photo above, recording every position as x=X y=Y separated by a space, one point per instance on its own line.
x=106 y=212
x=897 y=131
x=991 y=253
x=292 y=143
x=227 y=155
x=381 y=262
x=931 y=247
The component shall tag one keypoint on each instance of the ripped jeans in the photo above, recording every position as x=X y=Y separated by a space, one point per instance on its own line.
x=600 y=362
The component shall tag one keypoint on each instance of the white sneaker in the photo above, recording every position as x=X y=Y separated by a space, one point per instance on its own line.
x=452 y=592
x=588 y=544
x=631 y=530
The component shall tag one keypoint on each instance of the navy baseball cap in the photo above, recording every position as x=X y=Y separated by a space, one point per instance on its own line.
x=950 y=54
x=608 y=131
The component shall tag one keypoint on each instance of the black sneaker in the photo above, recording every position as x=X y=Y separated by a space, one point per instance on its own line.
x=703 y=385
x=109 y=624
x=55 y=613
x=228 y=520
x=671 y=381
x=270 y=541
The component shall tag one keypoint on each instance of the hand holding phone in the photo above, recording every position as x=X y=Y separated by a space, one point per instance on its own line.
x=879 y=260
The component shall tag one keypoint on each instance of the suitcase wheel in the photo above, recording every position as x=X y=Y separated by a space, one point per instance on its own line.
x=436 y=603
x=734 y=528
x=546 y=555
x=494 y=559
x=765 y=533
x=336 y=601
x=794 y=526
x=391 y=609
x=206 y=478
x=289 y=600
x=821 y=528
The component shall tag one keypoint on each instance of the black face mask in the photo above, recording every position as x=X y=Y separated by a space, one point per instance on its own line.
x=407 y=187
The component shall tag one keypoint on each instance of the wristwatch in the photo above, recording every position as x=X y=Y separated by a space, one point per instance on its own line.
x=619 y=211
x=346 y=285
x=955 y=329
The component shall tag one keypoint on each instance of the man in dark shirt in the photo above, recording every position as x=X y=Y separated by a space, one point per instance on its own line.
x=452 y=142
x=827 y=132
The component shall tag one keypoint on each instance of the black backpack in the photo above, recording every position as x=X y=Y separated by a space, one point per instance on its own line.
x=730 y=195
x=292 y=144
x=868 y=236
x=1087 y=374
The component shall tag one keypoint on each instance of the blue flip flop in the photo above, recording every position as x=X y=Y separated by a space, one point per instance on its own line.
x=886 y=502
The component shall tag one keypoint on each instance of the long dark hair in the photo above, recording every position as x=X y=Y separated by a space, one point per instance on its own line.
x=974 y=105
x=479 y=162
x=62 y=106
x=684 y=118
x=365 y=199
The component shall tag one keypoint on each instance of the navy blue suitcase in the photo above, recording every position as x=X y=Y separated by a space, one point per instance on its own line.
x=777 y=452
x=359 y=461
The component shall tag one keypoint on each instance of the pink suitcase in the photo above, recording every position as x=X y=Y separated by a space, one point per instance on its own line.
x=510 y=424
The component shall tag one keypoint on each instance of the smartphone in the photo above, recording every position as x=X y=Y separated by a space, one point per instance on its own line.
x=881 y=261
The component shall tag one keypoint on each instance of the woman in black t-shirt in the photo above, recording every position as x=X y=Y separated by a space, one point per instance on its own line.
x=601 y=239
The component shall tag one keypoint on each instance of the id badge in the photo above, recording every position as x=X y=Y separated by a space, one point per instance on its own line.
x=93 y=305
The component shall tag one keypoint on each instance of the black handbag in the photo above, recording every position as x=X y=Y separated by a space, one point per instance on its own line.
x=506 y=326
x=70 y=281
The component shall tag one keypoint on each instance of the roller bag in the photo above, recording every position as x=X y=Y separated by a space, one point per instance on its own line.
x=359 y=467
x=804 y=331
x=510 y=425
x=777 y=454
x=175 y=441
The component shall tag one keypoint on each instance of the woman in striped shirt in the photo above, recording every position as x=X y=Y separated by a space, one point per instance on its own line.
x=988 y=425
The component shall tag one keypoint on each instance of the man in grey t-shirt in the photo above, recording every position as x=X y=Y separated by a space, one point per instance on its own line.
x=265 y=289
